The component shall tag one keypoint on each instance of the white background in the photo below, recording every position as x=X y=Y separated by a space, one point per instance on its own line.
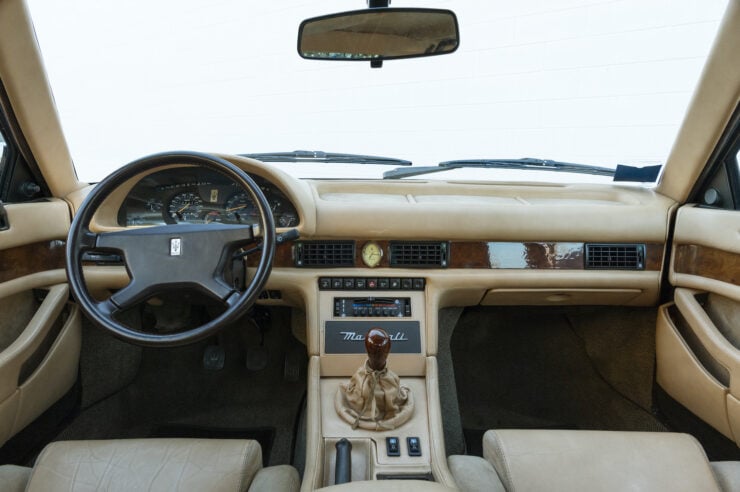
x=599 y=81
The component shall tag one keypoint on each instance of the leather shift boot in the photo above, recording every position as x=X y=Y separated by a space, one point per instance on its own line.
x=374 y=400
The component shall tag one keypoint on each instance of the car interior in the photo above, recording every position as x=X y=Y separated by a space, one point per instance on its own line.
x=208 y=321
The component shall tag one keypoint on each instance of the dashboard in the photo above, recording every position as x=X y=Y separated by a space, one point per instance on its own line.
x=197 y=195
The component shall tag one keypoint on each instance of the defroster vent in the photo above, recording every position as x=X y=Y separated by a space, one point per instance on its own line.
x=615 y=256
x=325 y=253
x=427 y=254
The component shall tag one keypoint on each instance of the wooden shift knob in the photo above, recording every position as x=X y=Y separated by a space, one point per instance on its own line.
x=377 y=345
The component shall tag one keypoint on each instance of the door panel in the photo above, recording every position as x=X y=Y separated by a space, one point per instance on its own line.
x=698 y=334
x=34 y=222
x=39 y=327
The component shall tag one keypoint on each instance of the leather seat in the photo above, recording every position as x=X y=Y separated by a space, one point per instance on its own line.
x=555 y=460
x=158 y=465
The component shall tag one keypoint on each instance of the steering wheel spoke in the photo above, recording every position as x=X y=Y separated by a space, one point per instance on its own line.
x=88 y=241
x=171 y=257
x=108 y=307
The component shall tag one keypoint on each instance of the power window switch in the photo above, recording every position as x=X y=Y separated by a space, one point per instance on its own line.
x=392 y=446
x=414 y=446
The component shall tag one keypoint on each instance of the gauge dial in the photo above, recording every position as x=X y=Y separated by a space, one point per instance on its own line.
x=213 y=216
x=185 y=207
x=241 y=209
x=372 y=253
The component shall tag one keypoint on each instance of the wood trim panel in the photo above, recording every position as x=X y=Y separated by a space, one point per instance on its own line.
x=31 y=258
x=654 y=256
x=469 y=255
x=477 y=254
x=708 y=262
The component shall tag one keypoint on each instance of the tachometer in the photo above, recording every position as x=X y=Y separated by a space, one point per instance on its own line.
x=241 y=209
x=185 y=206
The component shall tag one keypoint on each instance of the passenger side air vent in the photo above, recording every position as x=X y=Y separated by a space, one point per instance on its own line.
x=425 y=254
x=325 y=254
x=615 y=256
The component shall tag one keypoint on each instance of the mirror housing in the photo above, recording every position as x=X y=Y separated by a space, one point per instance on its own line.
x=379 y=34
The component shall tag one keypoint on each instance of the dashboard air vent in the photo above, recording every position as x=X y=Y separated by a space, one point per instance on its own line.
x=615 y=256
x=325 y=254
x=426 y=254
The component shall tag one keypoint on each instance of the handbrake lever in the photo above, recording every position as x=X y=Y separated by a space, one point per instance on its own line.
x=343 y=464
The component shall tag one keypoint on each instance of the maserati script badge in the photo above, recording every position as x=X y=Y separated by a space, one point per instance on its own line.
x=354 y=336
x=175 y=246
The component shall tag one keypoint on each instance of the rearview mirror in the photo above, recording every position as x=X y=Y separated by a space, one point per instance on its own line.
x=379 y=34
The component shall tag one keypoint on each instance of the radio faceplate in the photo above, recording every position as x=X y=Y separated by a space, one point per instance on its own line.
x=369 y=307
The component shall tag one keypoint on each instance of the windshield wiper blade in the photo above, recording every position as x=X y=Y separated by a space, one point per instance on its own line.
x=328 y=157
x=526 y=163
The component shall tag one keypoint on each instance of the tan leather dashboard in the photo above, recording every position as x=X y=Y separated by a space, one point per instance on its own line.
x=489 y=211
x=475 y=218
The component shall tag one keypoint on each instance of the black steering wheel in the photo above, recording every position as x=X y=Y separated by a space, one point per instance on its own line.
x=178 y=256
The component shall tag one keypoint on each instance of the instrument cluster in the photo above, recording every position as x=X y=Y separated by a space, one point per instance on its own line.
x=200 y=196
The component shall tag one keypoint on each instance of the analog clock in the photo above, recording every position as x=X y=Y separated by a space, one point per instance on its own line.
x=371 y=254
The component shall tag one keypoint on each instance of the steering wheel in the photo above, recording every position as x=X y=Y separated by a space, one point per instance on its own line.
x=178 y=256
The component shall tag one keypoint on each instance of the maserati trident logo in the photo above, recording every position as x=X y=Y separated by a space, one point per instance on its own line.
x=353 y=336
x=175 y=246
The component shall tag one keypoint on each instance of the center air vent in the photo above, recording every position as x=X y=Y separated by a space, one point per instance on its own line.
x=615 y=256
x=425 y=254
x=325 y=254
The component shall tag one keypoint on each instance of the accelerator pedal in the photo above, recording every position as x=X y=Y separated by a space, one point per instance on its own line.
x=293 y=361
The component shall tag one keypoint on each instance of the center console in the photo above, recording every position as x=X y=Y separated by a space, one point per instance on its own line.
x=348 y=308
x=347 y=312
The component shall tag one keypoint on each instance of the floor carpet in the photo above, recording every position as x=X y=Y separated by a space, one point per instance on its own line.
x=554 y=368
x=172 y=390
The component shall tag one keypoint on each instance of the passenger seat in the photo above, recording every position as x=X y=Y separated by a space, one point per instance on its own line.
x=560 y=460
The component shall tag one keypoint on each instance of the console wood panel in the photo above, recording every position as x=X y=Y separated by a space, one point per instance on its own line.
x=31 y=258
x=708 y=262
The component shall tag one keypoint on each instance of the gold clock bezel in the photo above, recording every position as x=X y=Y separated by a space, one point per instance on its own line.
x=374 y=261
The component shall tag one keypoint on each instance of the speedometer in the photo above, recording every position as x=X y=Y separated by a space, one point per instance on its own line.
x=185 y=207
x=241 y=209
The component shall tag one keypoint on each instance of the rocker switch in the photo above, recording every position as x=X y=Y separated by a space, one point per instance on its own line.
x=392 y=446
x=414 y=446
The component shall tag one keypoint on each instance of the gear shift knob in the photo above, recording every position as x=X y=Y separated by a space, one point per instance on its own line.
x=377 y=345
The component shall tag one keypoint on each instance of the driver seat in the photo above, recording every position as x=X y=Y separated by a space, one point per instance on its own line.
x=157 y=465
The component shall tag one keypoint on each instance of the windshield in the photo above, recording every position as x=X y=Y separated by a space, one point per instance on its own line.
x=591 y=82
